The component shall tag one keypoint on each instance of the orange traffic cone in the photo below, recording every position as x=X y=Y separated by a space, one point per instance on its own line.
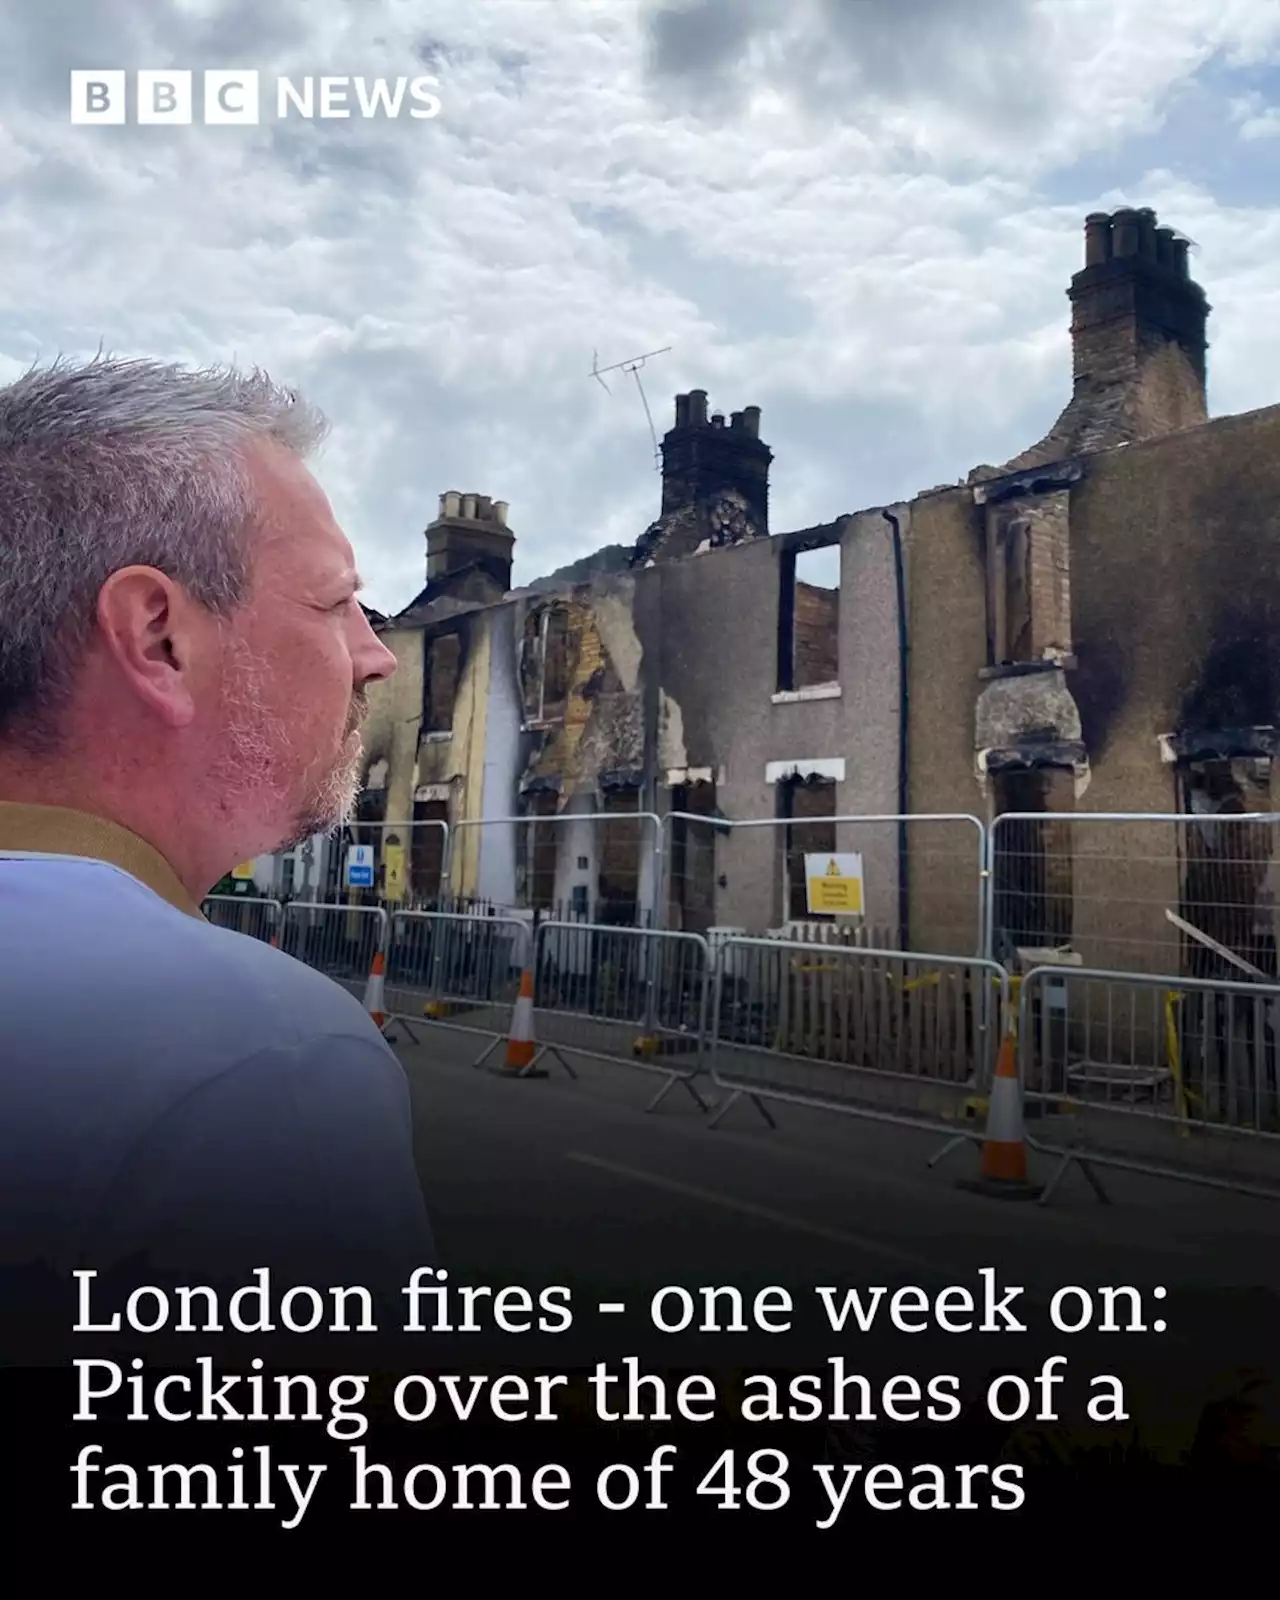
x=374 y=1001
x=522 y=1048
x=1004 y=1149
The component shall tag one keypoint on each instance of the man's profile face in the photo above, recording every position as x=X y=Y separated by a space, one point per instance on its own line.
x=297 y=656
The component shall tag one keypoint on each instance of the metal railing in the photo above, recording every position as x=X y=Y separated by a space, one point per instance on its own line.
x=511 y=881
x=1155 y=1074
x=1154 y=892
x=257 y=916
x=456 y=970
x=1165 y=1076
x=339 y=941
x=923 y=873
x=882 y=1034
x=635 y=996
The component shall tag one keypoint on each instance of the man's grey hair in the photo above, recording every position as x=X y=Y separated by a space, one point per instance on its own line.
x=114 y=463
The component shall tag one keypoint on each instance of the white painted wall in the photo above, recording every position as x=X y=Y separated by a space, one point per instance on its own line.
x=496 y=876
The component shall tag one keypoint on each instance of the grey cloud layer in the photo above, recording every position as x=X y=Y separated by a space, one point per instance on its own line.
x=439 y=287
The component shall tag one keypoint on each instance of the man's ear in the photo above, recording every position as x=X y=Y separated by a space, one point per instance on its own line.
x=148 y=627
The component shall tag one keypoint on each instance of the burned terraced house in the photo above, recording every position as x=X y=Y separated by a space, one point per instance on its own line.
x=1089 y=628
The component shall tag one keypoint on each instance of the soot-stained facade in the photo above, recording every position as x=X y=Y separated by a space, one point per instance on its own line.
x=708 y=676
x=1091 y=627
x=1101 y=613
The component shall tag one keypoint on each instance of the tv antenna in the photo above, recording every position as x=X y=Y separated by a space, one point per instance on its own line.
x=633 y=366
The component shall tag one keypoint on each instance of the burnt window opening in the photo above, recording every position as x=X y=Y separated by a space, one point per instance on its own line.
x=1032 y=862
x=691 y=870
x=1228 y=889
x=371 y=807
x=545 y=666
x=1028 y=557
x=809 y=618
x=539 y=851
x=808 y=806
x=1009 y=590
x=444 y=656
x=426 y=849
x=623 y=845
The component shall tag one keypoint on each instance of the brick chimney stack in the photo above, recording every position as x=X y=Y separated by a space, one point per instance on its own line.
x=1138 y=319
x=702 y=458
x=715 y=483
x=471 y=530
x=1138 y=341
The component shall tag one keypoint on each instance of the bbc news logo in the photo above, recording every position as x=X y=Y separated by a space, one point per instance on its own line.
x=236 y=97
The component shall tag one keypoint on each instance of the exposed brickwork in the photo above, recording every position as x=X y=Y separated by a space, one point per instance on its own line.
x=816 y=631
x=595 y=726
x=620 y=854
x=426 y=847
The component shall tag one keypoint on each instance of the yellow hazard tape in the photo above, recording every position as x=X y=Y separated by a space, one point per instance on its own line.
x=1183 y=1097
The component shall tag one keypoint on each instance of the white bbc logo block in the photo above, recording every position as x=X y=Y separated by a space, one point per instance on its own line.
x=230 y=97
x=164 y=97
x=98 y=97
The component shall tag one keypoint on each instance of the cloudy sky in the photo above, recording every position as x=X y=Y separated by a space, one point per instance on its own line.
x=860 y=215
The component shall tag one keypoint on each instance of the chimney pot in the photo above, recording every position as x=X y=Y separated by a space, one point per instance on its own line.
x=735 y=421
x=717 y=420
x=682 y=411
x=698 y=408
x=1097 y=238
x=1164 y=246
x=751 y=421
x=452 y=546
x=1181 y=264
x=1125 y=229
x=1147 y=234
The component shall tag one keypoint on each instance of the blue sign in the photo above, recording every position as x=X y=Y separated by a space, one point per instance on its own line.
x=360 y=867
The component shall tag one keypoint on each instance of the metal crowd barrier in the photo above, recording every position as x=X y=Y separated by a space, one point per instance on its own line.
x=458 y=971
x=340 y=941
x=885 y=1035
x=1169 y=1077
x=633 y=996
x=254 y=915
x=1174 y=1078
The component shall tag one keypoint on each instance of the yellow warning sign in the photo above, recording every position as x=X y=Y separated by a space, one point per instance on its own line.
x=243 y=871
x=834 y=885
x=393 y=871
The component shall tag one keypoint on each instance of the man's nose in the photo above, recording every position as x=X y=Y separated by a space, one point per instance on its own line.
x=370 y=657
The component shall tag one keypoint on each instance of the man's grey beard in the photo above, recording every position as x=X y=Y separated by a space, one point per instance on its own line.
x=255 y=764
x=334 y=804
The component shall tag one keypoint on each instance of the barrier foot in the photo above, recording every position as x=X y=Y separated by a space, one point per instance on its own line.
x=951 y=1144
x=1086 y=1167
x=488 y=1051
x=668 y=1086
x=552 y=1050
x=733 y=1100
x=400 y=1022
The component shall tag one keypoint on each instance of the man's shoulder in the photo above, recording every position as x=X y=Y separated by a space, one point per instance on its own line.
x=105 y=922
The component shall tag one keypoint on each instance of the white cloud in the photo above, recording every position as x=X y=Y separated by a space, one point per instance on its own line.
x=880 y=267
